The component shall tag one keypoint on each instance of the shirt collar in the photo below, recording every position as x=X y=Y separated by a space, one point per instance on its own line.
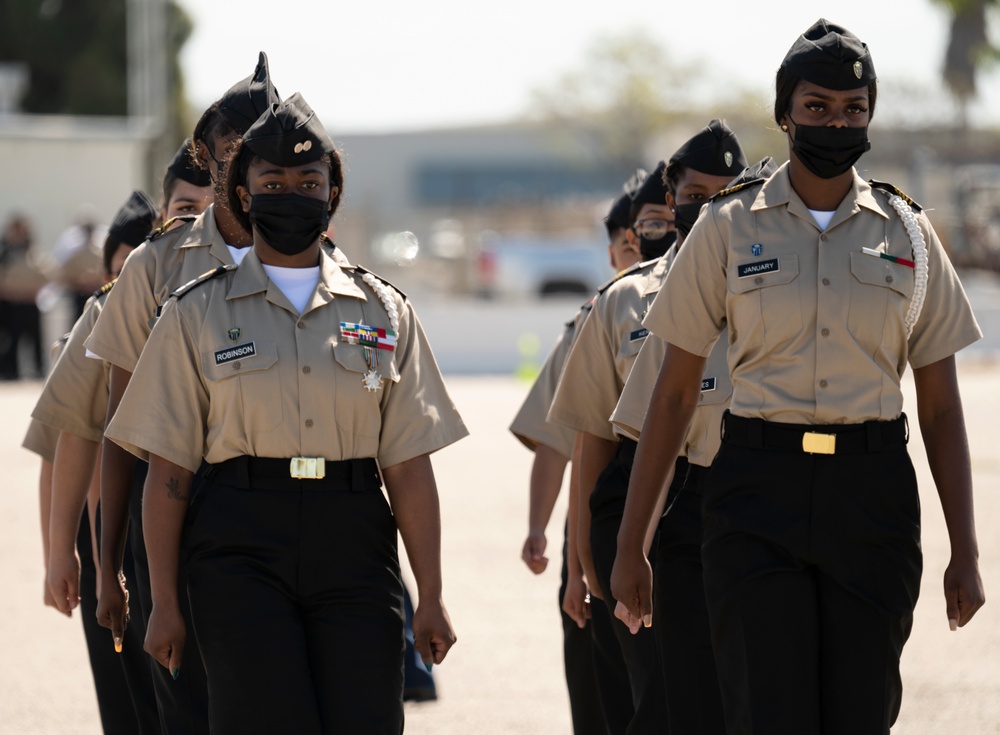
x=205 y=233
x=777 y=191
x=334 y=279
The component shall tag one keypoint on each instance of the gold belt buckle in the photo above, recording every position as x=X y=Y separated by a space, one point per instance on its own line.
x=815 y=443
x=308 y=468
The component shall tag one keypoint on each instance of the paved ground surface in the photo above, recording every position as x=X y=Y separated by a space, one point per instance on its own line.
x=504 y=675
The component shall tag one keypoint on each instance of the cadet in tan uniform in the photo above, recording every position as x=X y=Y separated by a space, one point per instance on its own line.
x=830 y=286
x=156 y=268
x=596 y=678
x=608 y=344
x=682 y=631
x=308 y=379
x=73 y=403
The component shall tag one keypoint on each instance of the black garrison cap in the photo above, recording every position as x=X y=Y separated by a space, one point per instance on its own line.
x=618 y=216
x=714 y=151
x=134 y=220
x=185 y=169
x=247 y=100
x=830 y=56
x=289 y=134
x=653 y=190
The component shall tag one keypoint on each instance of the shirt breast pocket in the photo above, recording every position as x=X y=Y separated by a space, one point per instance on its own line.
x=766 y=305
x=880 y=297
x=244 y=381
x=358 y=400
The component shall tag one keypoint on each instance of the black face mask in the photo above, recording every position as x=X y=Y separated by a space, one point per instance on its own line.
x=685 y=215
x=650 y=249
x=289 y=223
x=829 y=152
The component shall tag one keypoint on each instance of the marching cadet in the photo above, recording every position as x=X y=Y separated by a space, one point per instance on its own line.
x=157 y=267
x=830 y=285
x=597 y=369
x=600 y=701
x=680 y=618
x=73 y=404
x=304 y=380
x=187 y=187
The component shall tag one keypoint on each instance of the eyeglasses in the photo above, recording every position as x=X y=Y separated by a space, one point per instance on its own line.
x=652 y=229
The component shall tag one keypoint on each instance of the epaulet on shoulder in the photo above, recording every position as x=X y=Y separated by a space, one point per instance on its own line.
x=362 y=270
x=729 y=191
x=618 y=276
x=891 y=189
x=105 y=288
x=181 y=291
x=159 y=231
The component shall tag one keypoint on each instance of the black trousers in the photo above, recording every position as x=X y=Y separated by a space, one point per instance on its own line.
x=580 y=666
x=680 y=615
x=642 y=657
x=182 y=703
x=19 y=320
x=297 y=601
x=812 y=569
x=120 y=715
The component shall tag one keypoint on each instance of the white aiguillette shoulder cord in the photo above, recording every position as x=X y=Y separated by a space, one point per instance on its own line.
x=916 y=236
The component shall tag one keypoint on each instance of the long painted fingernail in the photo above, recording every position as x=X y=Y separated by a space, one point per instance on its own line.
x=647 y=620
x=428 y=666
x=952 y=624
x=175 y=673
x=118 y=644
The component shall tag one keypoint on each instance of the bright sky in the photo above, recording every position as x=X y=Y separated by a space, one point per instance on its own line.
x=369 y=66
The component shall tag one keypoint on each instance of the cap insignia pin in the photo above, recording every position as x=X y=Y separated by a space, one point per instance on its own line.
x=297 y=148
x=858 y=69
x=728 y=158
x=234 y=334
x=306 y=145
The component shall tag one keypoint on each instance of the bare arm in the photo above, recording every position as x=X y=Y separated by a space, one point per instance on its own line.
x=573 y=602
x=547 y=472
x=165 y=502
x=44 y=512
x=942 y=425
x=71 y=474
x=414 y=499
x=596 y=455
x=674 y=400
x=117 y=468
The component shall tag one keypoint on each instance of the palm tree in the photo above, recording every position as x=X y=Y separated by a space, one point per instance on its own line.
x=969 y=50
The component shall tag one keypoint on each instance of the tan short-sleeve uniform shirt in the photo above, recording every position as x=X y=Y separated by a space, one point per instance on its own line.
x=233 y=369
x=603 y=353
x=816 y=326
x=41 y=438
x=530 y=425
x=75 y=395
x=152 y=271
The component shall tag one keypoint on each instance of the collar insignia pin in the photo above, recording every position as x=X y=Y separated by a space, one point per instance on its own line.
x=756 y=249
x=234 y=334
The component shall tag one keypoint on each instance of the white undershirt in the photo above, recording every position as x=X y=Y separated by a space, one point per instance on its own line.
x=822 y=218
x=297 y=284
x=238 y=253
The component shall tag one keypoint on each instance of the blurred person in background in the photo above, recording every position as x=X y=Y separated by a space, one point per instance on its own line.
x=76 y=257
x=21 y=278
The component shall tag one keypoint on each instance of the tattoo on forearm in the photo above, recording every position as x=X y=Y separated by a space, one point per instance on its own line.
x=174 y=489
